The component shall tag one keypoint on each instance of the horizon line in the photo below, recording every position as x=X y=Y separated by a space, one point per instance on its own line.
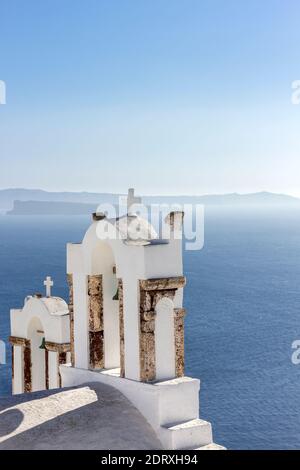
x=153 y=194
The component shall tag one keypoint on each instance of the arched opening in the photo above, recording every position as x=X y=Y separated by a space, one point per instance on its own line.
x=164 y=340
x=36 y=336
x=103 y=262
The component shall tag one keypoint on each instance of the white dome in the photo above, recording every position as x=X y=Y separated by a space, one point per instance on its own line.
x=135 y=229
x=55 y=305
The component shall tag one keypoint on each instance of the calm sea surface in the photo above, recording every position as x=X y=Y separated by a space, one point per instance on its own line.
x=243 y=313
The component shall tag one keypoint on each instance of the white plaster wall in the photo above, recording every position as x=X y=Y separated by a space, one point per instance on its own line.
x=132 y=263
x=131 y=269
x=57 y=328
x=163 y=260
x=179 y=400
x=165 y=340
x=18 y=383
x=131 y=328
x=24 y=324
x=111 y=322
x=81 y=325
x=53 y=369
x=178 y=299
x=102 y=263
x=162 y=403
x=15 y=325
x=38 y=378
x=74 y=258
x=129 y=262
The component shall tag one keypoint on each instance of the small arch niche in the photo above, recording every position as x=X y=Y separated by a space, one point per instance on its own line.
x=164 y=340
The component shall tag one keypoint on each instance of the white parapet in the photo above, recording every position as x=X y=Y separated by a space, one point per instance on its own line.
x=171 y=406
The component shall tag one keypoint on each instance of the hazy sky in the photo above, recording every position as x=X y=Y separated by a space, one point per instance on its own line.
x=169 y=96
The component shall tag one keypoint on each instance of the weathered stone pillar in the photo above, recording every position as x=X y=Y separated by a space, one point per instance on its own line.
x=12 y=366
x=151 y=292
x=27 y=367
x=26 y=359
x=71 y=310
x=121 y=326
x=147 y=346
x=96 y=327
x=179 y=314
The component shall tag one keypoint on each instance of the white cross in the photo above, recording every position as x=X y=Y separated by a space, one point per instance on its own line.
x=132 y=199
x=48 y=283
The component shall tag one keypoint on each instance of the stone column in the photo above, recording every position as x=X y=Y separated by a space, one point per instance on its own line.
x=151 y=292
x=12 y=367
x=71 y=310
x=121 y=326
x=24 y=344
x=27 y=367
x=147 y=346
x=96 y=327
x=179 y=314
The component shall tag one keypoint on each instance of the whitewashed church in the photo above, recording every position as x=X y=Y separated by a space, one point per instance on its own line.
x=123 y=327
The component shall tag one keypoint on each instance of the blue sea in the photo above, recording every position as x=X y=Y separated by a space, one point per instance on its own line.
x=243 y=313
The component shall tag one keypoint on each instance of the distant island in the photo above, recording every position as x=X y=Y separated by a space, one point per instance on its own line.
x=51 y=208
x=39 y=202
x=8 y=196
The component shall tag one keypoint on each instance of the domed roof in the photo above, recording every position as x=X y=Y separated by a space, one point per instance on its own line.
x=135 y=229
x=55 y=305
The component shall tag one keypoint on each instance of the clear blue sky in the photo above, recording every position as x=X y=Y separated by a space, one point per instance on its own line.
x=169 y=96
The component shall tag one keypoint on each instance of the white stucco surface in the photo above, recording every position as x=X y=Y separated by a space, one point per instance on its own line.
x=40 y=318
x=81 y=320
x=18 y=370
x=112 y=243
x=171 y=407
x=52 y=314
x=55 y=305
x=38 y=364
x=92 y=416
x=164 y=340
x=161 y=403
x=53 y=369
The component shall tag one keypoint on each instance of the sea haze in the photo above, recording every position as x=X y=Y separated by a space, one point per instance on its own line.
x=243 y=312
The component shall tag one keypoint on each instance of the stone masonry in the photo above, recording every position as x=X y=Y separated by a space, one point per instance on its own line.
x=151 y=292
x=96 y=327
